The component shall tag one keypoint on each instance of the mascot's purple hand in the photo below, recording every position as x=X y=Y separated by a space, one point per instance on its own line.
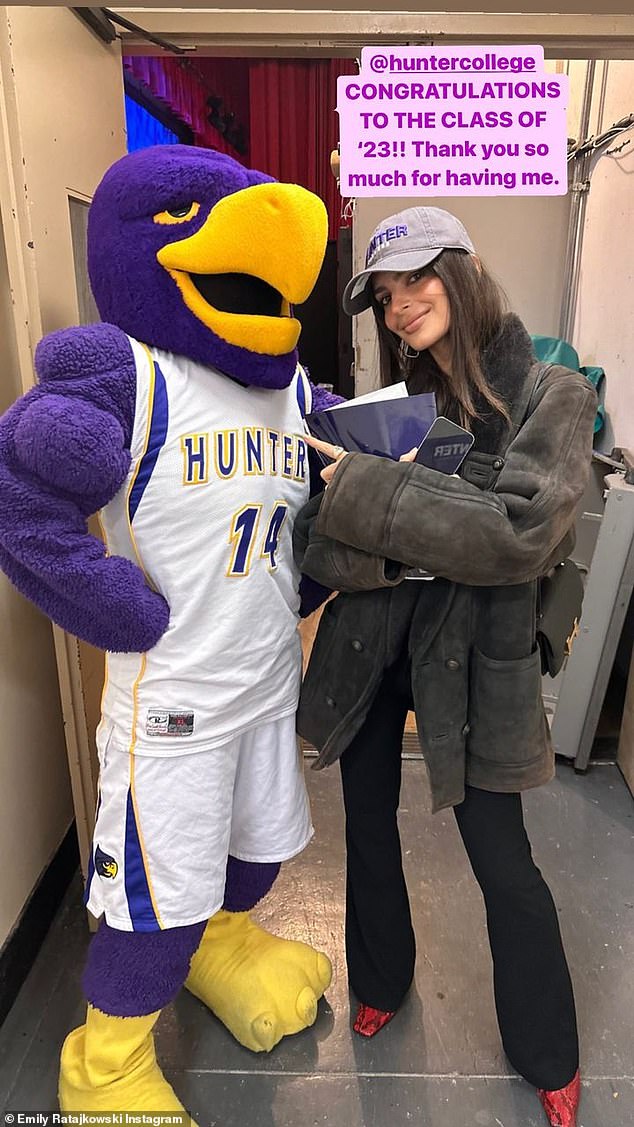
x=47 y=552
x=107 y=602
x=72 y=447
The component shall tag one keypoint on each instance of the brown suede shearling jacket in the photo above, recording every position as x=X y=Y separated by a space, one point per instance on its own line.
x=487 y=536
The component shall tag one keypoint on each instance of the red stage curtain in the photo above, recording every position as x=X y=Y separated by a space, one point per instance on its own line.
x=185 y=94
x=228 y=78
x=294 y=126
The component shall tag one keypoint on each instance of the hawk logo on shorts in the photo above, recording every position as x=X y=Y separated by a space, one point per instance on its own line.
x=105 y=865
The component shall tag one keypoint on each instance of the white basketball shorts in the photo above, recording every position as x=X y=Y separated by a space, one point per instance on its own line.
x=165 y=826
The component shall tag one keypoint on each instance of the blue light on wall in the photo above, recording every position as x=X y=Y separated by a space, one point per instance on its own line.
x=144 y=129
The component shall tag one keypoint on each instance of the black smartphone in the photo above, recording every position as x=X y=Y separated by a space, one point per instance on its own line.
x=445 y=446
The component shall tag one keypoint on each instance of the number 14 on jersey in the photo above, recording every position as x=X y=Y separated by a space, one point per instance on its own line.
x=243 y=537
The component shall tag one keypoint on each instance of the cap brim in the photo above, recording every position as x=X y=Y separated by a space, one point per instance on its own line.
x=356 y=296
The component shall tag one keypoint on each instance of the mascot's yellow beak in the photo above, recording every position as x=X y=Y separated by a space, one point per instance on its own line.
x=270 y=240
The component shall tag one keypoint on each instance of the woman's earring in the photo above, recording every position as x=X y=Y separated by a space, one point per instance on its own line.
x=407 y=353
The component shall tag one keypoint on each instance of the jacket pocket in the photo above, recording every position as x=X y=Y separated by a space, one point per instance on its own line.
x=481 y=469
x=506 y=714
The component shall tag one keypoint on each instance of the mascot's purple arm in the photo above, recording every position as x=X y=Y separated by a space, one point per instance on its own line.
x=64 y=453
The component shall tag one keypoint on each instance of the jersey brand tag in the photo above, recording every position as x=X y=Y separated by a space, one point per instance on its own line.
x=164 y=722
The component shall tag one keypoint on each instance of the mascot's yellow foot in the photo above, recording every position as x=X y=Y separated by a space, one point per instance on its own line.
x=109 y=1065
x=261 y=987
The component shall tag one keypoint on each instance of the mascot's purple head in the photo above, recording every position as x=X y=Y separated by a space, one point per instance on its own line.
x=192 y=253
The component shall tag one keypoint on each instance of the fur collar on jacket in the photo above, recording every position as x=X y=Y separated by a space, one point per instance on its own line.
x=505 y=362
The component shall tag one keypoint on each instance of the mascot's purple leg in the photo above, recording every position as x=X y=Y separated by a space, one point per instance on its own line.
x=247 y=882
x=132 y=973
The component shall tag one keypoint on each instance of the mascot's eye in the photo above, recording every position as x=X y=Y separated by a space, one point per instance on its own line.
x=177 y=214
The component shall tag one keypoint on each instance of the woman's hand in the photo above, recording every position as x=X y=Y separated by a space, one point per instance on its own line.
x=337 y=453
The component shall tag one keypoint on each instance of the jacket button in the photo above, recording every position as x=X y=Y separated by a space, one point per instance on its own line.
x=452 y=664
x=466 y=729
x=331 y=702
x=357 y=646
x=498 y=463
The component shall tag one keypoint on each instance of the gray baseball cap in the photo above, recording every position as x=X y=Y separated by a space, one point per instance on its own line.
x=406 y=241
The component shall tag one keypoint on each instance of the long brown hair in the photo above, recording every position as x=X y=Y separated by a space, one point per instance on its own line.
x=477 y=306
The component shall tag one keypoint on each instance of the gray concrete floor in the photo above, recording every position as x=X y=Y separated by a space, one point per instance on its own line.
x=439 y=1063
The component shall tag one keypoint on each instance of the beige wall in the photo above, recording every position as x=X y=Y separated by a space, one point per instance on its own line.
x=341 y=28
x=61 y=126
x=604 y=326
x=35 y=799
x=135 y=13
x=69 y=96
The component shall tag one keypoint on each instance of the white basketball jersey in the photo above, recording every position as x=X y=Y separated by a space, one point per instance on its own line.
x=218 y=474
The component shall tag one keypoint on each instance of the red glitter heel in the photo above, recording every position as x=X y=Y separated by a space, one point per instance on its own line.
x=561 y=1106
x=369 y=1020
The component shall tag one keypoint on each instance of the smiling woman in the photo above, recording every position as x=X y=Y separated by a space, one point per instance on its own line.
x=433 y=311
x=459 y=649
x=415 y=306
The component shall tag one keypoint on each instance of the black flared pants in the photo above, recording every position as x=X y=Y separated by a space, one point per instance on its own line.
x=533 y=993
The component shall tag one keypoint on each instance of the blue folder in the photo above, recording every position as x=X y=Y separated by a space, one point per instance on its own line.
x=387 y=427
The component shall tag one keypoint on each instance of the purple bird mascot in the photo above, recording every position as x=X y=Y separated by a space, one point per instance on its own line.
x=178 y=419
